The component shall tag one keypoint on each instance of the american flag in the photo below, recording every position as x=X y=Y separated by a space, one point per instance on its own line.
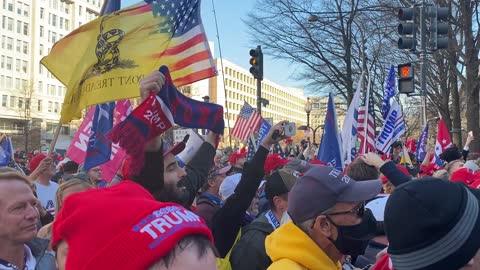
x=251 y=148
x=188 y=44
x=247 y=122
x=278 y=150
x=366 y=124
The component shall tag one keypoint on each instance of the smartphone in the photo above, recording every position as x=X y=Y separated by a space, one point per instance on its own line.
x=289 y=129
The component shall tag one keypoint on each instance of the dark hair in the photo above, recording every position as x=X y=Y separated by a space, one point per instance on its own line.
x=360 y=171
x=70 y=167
x=200 y=242
x=450 y=154
x=270 y=200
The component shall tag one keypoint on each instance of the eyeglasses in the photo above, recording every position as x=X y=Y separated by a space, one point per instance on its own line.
x=358 y=210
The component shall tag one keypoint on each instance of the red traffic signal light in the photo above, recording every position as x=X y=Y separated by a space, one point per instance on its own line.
x=406 y=78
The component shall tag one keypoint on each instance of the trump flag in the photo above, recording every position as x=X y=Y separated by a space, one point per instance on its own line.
x=330 y=148
x=104 y=60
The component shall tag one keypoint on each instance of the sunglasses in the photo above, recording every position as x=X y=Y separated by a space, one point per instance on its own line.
x=358 y=210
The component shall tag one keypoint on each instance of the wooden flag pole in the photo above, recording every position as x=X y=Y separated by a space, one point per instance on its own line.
x=54 y=140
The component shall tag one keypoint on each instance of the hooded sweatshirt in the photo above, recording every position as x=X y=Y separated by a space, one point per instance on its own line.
x=290 y=248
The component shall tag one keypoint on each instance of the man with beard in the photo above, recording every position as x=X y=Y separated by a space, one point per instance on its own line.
x=170 y=182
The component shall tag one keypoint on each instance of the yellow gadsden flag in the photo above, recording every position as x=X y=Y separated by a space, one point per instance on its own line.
x=105 y=59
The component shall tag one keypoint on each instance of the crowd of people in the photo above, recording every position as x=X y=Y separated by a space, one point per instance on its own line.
x=223 y=212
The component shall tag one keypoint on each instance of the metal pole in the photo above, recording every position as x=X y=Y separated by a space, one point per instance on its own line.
x=308 y=120
x=424 y=63
x=259 y=96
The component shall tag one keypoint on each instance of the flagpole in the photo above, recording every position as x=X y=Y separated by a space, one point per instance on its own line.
x=367 y=107
x=54 y=140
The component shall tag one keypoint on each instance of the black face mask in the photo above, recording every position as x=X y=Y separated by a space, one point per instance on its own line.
x=353 y=240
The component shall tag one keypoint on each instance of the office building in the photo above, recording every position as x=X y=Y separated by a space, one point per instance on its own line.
x=31 y=98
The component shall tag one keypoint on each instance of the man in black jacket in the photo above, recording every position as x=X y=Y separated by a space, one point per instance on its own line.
x=249 y=252
x=229 y=219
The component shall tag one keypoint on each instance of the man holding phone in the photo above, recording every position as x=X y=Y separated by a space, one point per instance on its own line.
x=43 y=169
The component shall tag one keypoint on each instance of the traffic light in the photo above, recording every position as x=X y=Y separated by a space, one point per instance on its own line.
x=406 y=78
x=438 y=28
x=407 y=29
x=256 y=61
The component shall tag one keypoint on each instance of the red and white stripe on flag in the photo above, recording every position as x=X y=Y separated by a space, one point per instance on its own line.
x=247 y=122
x=366 y=122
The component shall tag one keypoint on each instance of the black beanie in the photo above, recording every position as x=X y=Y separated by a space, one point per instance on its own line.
x=432 y=224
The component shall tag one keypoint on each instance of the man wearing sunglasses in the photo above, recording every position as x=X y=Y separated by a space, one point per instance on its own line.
x=329 y=221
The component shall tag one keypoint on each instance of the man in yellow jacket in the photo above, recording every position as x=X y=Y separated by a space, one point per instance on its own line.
x=329 y=221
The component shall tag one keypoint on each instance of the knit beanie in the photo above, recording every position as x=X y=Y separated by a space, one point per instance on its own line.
x=432 y=224
x=121 y=227
x=36 y=161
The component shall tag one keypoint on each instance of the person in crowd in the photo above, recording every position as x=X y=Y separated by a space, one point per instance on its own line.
x=217 y=160
x=236 y=160
x=131 y=231
x=172 y=183
x=64 y=190
x=249 y=252
x=465 y=175
x=329 y=221
x=227 y=189
x=43 y=169
x=396 y=152
x=95 y=177
x=208 y=202
x=427 y=231
x=454 y=166
x=19 y=216
x=291 y=150
x=69 y=169
x=358 y=170
x=272 y=163
x=229 y=219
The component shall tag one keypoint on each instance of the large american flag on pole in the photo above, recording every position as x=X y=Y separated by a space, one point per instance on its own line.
x=366 y=124
x=247 y=122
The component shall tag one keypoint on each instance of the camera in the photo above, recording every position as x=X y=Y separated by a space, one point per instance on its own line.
x=289 y=129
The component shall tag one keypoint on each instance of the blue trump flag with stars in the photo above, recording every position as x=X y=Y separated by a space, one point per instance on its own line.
x=422 y=144
x=389 y=92
x=329 y=150
x=251 y=148
x=263 y=131
x=99 y=147
x=6 y=151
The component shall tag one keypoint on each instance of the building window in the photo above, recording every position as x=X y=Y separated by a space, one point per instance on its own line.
x=39 y=105
x=25 y=29
x=17 y=83
x=10 y=24
x=9 y=82
x=17 y=68
x=9 y=63
x=41 y=49
x=24 y=66
x=19 y=45
x=12 y=101
x=40 y=87
x=40 y=68
x=10 y=44
x=26 y=10
x=55 y=4
x=61 y=23
x=41 y=31
x=25 y=47
x=4 y=100
x=10 y=5
x=19 y=8
x=2 y=64
x=20 y=103
x=4 y=22
x=2 y=81
x=54 y=20
x=67 y=25
x=56 y=108
x=79 y=10
x=54 y=37
x=19 y=27
x=50 y=106
x=24 y=84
